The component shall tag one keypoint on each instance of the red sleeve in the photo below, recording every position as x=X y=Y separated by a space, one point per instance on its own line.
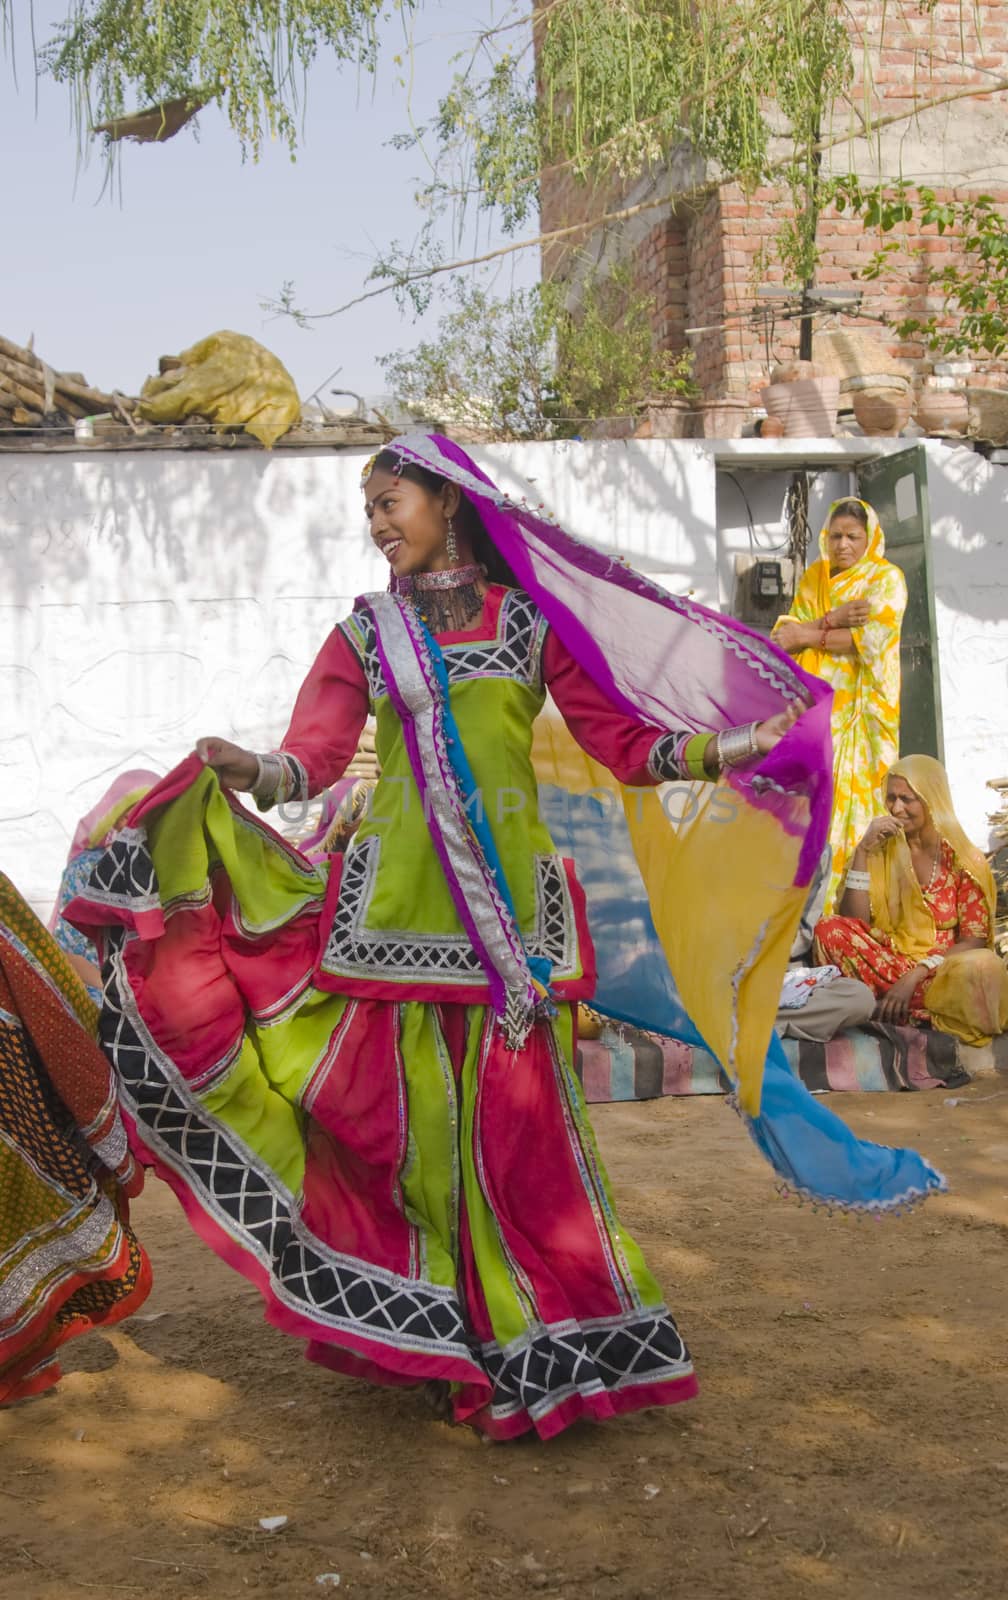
x=972 y=914
x=637 y=753
x=329 y=713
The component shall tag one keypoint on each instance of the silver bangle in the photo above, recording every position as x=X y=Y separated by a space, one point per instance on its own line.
x=933 y=962
x=858 y=880
x=268 y=776
x=736 y=746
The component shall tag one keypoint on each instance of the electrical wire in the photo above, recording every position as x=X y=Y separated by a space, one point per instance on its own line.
x=755 y=546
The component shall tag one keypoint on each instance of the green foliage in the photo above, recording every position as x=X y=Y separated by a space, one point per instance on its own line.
x=491 y=129
x=527 y=367
x=753 y=87
x=973 y=287
x=251 y=56
x=749 y=85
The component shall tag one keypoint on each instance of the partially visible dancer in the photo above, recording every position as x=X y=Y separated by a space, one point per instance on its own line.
x=917 y=920
x=844 y=626
x=69 y=1261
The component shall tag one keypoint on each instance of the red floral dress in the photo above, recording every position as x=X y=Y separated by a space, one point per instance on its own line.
x=957 y=904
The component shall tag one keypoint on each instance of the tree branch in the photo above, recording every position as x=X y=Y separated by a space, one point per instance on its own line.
x=626 y=213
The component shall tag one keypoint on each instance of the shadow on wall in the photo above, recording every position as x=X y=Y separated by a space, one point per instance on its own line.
x=648 y=501
x=116 y=521
x=969 y=533
x=146 y=598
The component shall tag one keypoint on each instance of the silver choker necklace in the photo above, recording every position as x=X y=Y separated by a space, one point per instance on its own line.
x=447 y=601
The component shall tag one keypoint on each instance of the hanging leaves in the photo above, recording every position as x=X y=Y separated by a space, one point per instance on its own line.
x=249 y=56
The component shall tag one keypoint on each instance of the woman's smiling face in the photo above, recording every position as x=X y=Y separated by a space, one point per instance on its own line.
x=409 y=522
x=906 y=807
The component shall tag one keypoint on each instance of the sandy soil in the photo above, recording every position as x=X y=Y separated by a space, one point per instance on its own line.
x=851 y=1438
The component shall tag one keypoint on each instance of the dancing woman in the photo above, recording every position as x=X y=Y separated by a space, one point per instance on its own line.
x=359 y=1078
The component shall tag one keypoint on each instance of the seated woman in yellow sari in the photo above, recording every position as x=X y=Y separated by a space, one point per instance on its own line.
x=918 y=913
x=844 y=626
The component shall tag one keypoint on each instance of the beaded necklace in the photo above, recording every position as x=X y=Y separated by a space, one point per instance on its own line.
x=447 y=601
x=927 y=887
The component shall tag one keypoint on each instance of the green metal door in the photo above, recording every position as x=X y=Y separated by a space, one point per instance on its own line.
x=896 y=486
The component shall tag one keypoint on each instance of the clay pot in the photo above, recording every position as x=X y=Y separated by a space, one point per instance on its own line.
x=882 y=413
x=665 y=419
x=807 y=407
x=723 y=418
x=795 y=371
x=943 y=412
x=988 y=415
x=771 y=428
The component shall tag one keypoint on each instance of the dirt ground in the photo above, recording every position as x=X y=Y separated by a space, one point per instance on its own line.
x=851 y=1438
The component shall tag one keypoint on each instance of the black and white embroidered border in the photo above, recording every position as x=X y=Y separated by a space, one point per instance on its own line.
x=540 y=1370
x=123 y=876
x=247 y=1201
x=534 y=1373
x=397 y=955
x=514 y=654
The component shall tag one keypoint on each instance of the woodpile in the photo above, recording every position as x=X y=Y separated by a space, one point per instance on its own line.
x=999 y=862
x=365 y=759
x=33 y=394
x=353 y=806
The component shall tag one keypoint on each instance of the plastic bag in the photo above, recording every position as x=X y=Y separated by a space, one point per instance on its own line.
x=229 y=379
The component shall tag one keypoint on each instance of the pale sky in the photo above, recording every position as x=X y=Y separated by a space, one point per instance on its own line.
x=196 y=239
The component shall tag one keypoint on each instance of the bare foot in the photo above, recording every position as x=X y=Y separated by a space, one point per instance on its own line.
x=437 y=1394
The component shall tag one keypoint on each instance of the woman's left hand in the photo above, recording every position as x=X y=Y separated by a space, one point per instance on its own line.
x=796 y=636
x=894 y=1005
x=772 y=731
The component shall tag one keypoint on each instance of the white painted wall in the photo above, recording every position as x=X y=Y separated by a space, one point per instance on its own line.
x=149 y=597
x=969 y=534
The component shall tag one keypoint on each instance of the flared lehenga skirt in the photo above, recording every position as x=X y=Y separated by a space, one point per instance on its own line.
x=413 y=1198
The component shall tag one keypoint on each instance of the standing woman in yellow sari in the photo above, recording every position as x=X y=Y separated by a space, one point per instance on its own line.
x=844 y=626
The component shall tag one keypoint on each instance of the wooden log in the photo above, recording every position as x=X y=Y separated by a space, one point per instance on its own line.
x=30 y=397
x=17 y=352
x=25 y=418
x=19 y=380
x=72 y=408
x=31 y=377
x=66 y=382
x=94 y=399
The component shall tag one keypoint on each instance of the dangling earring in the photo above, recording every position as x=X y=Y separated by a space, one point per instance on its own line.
x=451 y=543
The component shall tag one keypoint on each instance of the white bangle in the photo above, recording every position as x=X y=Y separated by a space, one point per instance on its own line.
x=934 y=961
x=269 y=772
x=858 y=880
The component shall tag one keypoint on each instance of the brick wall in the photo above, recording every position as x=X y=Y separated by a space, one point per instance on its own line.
x=701 y=267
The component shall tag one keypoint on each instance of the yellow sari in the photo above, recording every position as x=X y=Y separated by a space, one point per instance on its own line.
x=866 y=685
x=968 y=995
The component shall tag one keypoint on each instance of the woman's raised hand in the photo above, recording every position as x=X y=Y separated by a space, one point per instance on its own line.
x=878 y=831
x=236 y=768
x=852 y=615
x=772 y=731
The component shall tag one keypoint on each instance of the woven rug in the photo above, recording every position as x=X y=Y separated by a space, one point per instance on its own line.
x=624 y=1064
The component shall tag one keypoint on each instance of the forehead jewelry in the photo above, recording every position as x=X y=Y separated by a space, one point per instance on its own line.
x=369 y=467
